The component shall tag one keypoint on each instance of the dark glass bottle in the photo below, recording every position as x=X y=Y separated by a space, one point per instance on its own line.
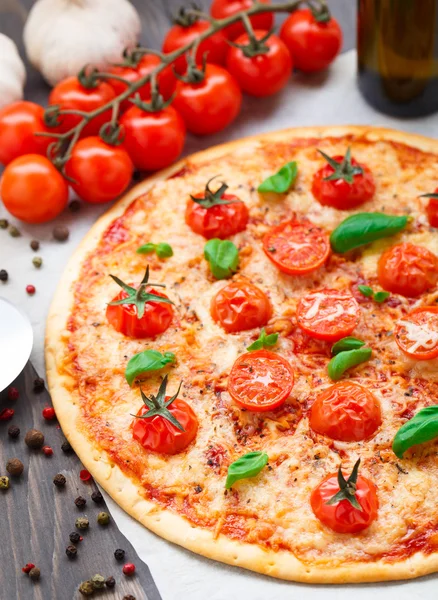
x=397 y=43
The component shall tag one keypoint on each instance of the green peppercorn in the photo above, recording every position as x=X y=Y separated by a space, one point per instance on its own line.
x=37 y=261
x=103 y=518
x=59 y=480
x=86 y=588
x=71 y=551
x=98 y=582
x=35 y=574
x=110 y=582
x=4 y=483
x=34 y=439
x=14 y=467
x=4 y=223
x=82 y=523
x=14 y=231
x=35 y=245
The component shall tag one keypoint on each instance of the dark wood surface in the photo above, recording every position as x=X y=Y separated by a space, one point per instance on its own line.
x=35 y=517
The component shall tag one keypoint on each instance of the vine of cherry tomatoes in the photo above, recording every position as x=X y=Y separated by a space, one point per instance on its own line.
x=205 y=98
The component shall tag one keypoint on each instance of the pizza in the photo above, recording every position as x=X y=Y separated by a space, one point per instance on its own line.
x=244 y=351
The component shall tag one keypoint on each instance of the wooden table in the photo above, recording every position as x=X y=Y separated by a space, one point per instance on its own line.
x=35 y=516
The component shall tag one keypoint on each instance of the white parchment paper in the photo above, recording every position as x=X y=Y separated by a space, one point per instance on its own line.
x=326 y=99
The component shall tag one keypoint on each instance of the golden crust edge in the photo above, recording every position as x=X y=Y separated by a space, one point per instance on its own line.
x=121 y=488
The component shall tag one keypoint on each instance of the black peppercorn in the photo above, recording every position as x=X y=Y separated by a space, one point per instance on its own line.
x=65 y=447
x=34 y=439
x=110 y=582
x=119 y=554
x=75 y=537
x=3 y=275
x=82 y=523
x=74 y=206
x=35 y=245
x=128 y=597
x=13 y=431
x=59 y=480
x=34 y=574
x=38 y=385
x=71 y=551
x=61 y=233
x=14 y=467
x=4 y=223
x=80 y=502
x=97 y=497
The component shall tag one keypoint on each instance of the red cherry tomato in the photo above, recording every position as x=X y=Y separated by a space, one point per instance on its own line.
x=33 y=190
x=215 y=47
x=408 y=270
x=219 y=221
x=156 y=319
x=160 y=435
x=220 y=9
x=343 y=517
x=69 y=94
x=165 y=79
x=431 y=209
x=153 y=140
x=297 y=247
x=260 y=380
x=18 y=124
x=312 y=44
x=417 y=333
x=328 y=314
x=346 y=411
x=339 y=193
x=263 y=74
x=239 y=306
x=211 y=105
x=101 y=172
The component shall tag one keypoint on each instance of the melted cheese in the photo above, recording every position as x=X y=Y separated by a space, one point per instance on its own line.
x=420 y=336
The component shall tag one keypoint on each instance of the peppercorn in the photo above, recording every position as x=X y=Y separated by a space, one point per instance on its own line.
x=61 y=233
x=80 y=502
x=30 y=289
x=59 y=480
x=103 y=518
x=49 y=413
x=128 y=569
x=110 y=582
x=27 y=568
x=84 y=475
x=13 y=393
x=35 y=245
x=97 y=497
x=38 y=385
x=4 y=223
x=119 y=554
x=71 y=551
x=13 y=231
x=34 y=439
x=35 y=574
x=86 y=588
x=98 y=582
x=37 y=261
x=66 y=448
x=82 y=523
x=75 y=206
x=15 y=467
x=74 y=537
x=128 y=597
x=4 y=483
x=4 y=275
x=13 y=432
x=6 y=414
x=48 y=451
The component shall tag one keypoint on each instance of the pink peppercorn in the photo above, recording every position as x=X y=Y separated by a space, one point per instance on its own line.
x=85 y=475
x=128 y=569
x=13 y=393
x=30 y=289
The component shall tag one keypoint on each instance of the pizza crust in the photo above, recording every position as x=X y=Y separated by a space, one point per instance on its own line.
x=121 y=488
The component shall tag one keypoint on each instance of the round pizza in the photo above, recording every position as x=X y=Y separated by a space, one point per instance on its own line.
x=244 y=353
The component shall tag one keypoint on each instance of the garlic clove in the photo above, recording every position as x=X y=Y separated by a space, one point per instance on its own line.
x=12 y=72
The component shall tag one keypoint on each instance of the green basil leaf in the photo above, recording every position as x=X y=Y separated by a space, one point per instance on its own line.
x=146 y=248
x=365 y=290
x=223 y=257
x=364 y=228
x=248 y=465
x=264 y=341
x=347 y=343
x=282 y=181
x=148 y=360
x=346 y=360
x=423 y=427
x=164 y=250
x=380 y=297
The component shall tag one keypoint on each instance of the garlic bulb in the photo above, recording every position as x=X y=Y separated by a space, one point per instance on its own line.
x=61 y=36
x=12 y=72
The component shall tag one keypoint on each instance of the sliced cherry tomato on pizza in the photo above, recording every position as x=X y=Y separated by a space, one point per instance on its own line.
x=408 y=270
x=417 y=333
x=221 y=9
x=432 y=208
x=328 y=314
x=347 y=510
x=165 y=424
x=343 y=183
x=216 y=214
x=297 y=247
x=346 y=411
x=260 y=380
x=139 y=312
x=239 y=306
